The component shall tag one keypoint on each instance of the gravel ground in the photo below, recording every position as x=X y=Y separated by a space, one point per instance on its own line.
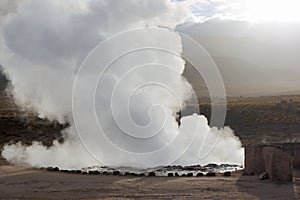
x=17 y=182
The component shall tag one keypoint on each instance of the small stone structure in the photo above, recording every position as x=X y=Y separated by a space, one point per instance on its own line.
x=276 y=159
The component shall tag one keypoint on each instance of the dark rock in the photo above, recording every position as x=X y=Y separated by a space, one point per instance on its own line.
x=183 y=174
x=53 y=169
x=274 y=158
x=188 y=168
x=133 y=174
x=170 y=174
x=49 y=168
x=225 y=165
x=141 y=174
x=211 y=165
x=176 y=174
x=278 y=164
x=211 y=174
x=126 y=174
x=227 y=173
x=196 y=165
x=190 y=174
x=254 y=162
x=192 y=168
x=200 y=174
x=263 y=176
x=92 y=172
x=151 y=174
x=116 y=173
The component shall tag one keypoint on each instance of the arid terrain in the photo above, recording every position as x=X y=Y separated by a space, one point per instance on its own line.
x=25 y=183
x=254 y=120
x=262 y=119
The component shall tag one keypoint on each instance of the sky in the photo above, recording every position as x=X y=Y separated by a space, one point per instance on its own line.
x=255 y=43
x=257 y=37
x=250 y=10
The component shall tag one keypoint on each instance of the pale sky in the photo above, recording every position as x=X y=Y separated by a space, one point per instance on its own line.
x=255 y=43
x=251 y=10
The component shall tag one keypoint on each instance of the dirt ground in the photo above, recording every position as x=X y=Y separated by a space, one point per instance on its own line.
x=18 y=182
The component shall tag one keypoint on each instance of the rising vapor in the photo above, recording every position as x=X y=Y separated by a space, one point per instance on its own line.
x=45 y=47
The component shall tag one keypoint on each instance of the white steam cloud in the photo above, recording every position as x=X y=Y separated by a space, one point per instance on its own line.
x=135 y=100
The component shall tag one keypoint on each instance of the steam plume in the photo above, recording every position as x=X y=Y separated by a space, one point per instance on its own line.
x=45 y=44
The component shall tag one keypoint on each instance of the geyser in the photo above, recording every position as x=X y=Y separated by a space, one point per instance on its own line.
x=96 y=65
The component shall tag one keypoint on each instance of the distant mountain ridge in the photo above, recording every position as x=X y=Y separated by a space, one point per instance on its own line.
x=242 y=78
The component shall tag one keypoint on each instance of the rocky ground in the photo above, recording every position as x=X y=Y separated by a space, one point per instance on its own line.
x=254 y=120
x=25 y=183
x=170 y=171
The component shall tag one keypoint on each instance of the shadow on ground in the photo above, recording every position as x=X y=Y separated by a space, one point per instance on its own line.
x=265 y=189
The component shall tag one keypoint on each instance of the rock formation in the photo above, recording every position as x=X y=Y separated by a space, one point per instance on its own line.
x=276 y=160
